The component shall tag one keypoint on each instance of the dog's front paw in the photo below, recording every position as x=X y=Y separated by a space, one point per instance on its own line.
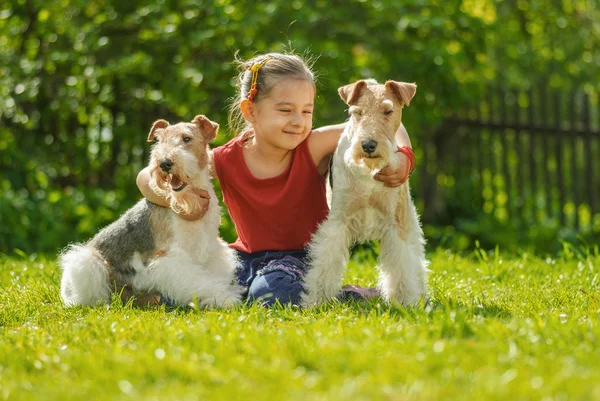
x=313 y=298
x=230 y=303
x=221 y=303
x=319 y=289
x=228 y=298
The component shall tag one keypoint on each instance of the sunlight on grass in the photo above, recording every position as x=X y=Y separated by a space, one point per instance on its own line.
x=498 y=327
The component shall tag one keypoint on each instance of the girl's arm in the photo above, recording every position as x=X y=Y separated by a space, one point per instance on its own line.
x=394 y=178
x=143 y=183
x=323 y=141
x=402 y=138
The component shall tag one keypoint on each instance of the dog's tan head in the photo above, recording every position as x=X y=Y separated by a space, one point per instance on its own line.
x=375 y=115
x=179 y=160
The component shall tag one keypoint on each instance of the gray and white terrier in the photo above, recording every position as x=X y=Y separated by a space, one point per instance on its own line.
x=363 y=209
x=151 y=249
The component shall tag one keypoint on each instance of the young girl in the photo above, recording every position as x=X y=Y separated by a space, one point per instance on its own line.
x=272 y=176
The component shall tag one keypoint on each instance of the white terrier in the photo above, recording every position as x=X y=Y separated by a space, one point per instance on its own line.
x=362 y=208
x=151 y=249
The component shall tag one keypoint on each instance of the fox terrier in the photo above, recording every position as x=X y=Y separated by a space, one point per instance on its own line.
x=362 y=208
x=151 y=249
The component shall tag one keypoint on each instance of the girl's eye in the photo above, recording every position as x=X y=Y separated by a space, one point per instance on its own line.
x=186 y=139
x=285 y=110
x=308 y=112
x=388 y=112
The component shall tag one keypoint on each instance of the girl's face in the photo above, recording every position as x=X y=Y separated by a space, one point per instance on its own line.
x=284 y=118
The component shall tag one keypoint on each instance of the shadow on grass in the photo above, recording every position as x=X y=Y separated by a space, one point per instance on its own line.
x=456 y=315
x=424 y=308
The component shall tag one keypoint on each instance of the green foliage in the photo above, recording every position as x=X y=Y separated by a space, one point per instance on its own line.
x=546 y=238
x=82 y=81
x=498 y=327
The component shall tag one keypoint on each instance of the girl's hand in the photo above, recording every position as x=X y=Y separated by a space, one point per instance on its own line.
x=204 y=202
x=393 y=178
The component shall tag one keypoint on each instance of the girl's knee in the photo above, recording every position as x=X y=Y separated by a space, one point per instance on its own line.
x=276 y=284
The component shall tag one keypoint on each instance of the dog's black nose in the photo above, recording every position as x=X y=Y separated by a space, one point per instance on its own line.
x=369 y=146
x=166 y=165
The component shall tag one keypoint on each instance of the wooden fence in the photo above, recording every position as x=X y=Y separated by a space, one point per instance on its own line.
x=525 y=157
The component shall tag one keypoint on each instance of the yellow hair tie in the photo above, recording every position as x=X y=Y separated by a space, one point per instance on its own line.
x=254 y=85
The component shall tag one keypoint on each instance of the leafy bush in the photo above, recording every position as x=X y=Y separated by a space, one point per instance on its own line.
x=81 y=82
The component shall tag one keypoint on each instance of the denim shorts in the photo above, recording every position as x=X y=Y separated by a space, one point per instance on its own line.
x=272 y=276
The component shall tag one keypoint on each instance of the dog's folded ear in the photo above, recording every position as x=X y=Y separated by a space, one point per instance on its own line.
x=350 y=93
x=404 y=91
x=158 y=124
x=207 y=127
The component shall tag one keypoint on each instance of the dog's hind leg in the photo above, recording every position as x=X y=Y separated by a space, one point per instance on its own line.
x=85 y=279
x=225 y=291
x=328 y=254
x=182 y=280
x=402 y=271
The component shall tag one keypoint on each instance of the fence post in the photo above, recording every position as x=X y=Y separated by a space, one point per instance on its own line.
x=574 y=169
x=532 y=149
x=559 y=162
x=505 y=150
x=545 y=149
x=587 y=126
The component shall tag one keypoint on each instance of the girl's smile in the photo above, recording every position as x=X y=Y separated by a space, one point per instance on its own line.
x=283 y=119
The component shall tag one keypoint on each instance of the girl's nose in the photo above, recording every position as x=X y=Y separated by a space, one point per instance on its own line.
x=297 y=119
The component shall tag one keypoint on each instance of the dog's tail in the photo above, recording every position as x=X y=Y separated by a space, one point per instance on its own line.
x=85 y=279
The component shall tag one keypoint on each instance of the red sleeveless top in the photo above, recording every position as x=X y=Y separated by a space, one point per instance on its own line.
x=277 y=213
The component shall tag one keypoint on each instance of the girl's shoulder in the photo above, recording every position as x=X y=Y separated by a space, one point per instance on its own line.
x=228 y=148
x=229 y=154
x=323 y=141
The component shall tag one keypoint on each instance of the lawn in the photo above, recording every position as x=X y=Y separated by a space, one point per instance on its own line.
x=499 y=326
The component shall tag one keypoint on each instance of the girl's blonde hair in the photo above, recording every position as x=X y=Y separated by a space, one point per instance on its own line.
x=278 y=67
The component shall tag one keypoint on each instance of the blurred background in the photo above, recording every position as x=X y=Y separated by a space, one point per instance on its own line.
x=505 y=123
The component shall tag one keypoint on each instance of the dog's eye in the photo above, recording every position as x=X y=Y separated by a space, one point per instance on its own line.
x=354 y=111
x=186 y=139
x=388 y=112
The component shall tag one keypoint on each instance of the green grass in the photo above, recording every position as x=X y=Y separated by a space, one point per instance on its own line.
x=499 y=327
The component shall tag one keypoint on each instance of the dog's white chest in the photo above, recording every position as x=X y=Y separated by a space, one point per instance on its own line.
x=368 y=223
x=194 y=237
x=364 y=205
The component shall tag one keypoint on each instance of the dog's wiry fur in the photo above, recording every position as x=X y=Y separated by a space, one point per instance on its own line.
x=362 y=208
x=151 y=249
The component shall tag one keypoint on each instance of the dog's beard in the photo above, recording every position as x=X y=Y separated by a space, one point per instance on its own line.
x=176 y=191
x=186 y=202
x=159 y=182
x=356 y=158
